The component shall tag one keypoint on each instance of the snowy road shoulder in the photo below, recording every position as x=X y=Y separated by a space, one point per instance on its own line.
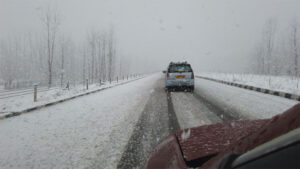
x=72 y=134
x=249 y=104
x=286 y=84
x=23 y=102
x=31 y=106
x=257 y=89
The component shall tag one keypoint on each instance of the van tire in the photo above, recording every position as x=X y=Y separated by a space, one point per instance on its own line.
x=192 y=88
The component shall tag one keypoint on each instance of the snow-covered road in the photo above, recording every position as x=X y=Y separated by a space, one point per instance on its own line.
x=191 y=112
x=240 y=102
x=118 y=127
x=76 y=133
x=214 y=102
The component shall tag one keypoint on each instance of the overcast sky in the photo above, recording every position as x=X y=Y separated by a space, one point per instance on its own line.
x=213 y=35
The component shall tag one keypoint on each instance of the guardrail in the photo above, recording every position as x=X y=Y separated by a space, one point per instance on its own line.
x=257 y=89
x=5 y=94
x=12 y=114
x=9 y=94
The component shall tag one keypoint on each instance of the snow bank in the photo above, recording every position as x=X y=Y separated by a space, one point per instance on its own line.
x=286 y=84
x=20 y=103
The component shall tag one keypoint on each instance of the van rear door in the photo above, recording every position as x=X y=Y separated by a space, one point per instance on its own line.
x=180 y=72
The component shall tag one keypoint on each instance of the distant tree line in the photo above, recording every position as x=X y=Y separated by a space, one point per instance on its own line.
x=51 y=58
x=277 y=53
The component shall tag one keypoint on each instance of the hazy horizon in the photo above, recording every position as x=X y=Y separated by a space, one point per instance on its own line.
x=212 y=35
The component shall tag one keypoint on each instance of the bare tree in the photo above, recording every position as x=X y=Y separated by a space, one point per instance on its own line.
x=295 y=45
x=258 y=60
x=93 y=44
x=33 y=58
x=84 y=65
x=268 y=44
x=103 y=58
x=51 y=22
x=99 y=57
x=62 y=63
x=111 y=53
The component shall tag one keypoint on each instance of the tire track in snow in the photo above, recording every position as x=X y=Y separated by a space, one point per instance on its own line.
x=173 y=120
x=191 y=112
x=157 y=121
x=223 y=113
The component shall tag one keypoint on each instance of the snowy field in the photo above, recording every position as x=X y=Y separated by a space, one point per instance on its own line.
x=75 y=133
x=278 y=83
x=22 y=102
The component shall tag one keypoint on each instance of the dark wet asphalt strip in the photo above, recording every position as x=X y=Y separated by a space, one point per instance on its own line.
x=157 y=121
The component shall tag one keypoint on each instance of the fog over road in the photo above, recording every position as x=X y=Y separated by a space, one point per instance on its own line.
x=118 y=127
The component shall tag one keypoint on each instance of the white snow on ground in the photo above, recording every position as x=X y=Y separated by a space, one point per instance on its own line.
x=190 y=111
x=23 y=102
x=251 y=104
x=74 y=134
x=278 y=83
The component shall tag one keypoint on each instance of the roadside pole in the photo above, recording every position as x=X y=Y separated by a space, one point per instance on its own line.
x=35 y=92
x=68 y=85
x=87 y=84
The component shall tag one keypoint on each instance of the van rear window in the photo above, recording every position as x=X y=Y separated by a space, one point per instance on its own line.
x=180 y=68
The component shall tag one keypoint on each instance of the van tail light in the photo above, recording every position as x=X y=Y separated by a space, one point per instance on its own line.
x=168 y=75
x=193 y=75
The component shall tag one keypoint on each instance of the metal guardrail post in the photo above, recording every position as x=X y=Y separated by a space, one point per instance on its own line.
x=35 y=92
x=87 y=84
x=68 y=85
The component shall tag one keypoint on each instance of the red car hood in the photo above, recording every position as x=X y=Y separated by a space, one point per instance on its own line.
x=206 y=146
x=209 y=140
